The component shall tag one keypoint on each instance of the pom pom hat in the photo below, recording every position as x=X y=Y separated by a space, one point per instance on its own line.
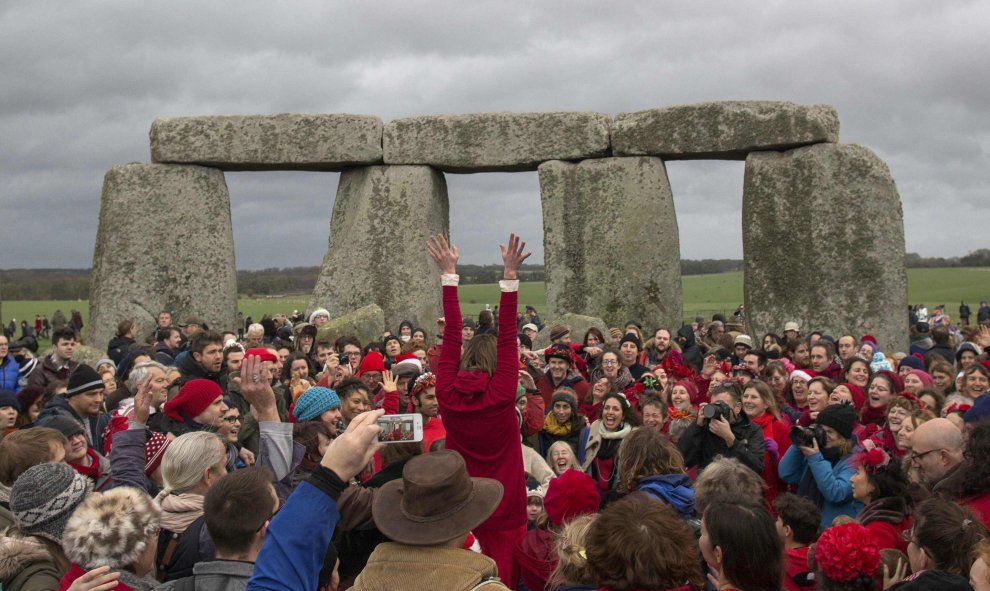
x=194 y=397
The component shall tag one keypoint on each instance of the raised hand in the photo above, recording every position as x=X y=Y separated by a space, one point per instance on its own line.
x=351 y=451
x=142 y=403
x=513 y=256
x=443 y=254
x=388 y=382
x=256 y=388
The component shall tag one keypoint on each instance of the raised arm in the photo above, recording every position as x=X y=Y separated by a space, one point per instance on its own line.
x=507 y=366
x=445 y=256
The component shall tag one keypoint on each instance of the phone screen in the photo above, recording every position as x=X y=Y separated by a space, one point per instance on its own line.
x=400 y=428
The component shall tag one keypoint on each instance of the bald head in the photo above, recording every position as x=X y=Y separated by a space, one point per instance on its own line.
x=938 y=434
x=937 y=448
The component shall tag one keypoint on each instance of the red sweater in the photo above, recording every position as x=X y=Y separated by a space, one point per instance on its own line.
x=479 y=410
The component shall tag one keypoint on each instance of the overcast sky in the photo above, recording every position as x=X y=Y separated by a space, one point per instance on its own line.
x=82 y=82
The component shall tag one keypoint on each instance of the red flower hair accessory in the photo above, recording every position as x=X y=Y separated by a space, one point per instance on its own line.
x=874 y=460
x=913 y=398
x=677 y=414
x=956 y=407
x=423 y=382
x=847 y=552
x=675 y=370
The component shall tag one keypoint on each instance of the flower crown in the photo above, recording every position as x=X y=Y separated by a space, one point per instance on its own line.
x=423 y=382
x=847 y=552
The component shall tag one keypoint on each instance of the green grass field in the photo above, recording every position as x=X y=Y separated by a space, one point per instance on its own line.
x=703 y=295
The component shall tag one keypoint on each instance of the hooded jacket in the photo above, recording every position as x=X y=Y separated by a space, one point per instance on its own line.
x=26 y=564
x=886 y=519
x=673 y=489
x=479 y=410
x=59 y=405
x=117 y=347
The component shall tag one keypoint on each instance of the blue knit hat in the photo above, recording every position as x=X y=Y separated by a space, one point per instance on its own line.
x=980 y=410
x=314 y=402
x=8 y=398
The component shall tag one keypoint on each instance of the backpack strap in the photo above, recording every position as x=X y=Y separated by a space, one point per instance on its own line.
x=168 y=555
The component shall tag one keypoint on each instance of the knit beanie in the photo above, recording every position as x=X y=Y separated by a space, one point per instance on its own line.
x=314 y=402
x=967 y=346
x=895 y=380
x=83 y=379
x=65 y=425
x=373 y=361
x=154 y=451
x=262 y=354
x=563 y=396
x=689 y=386
x=924 y=377
x=632 y=338
x=194 y=397
x=912 y=362
x=615 y=333
x=111 y=528
x=318 y=312
x=558 y=351
x=558 y=331
x=44 y=497
x=29 y=396
x=569 y=495
x=859 y=397
x=841 y=417
x=8 y=398
x=979 y=411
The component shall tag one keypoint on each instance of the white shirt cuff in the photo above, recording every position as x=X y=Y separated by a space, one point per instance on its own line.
x=509 y=285
x=450 y=279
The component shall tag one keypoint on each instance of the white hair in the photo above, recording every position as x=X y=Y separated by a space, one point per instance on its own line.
x=186 y=459
x=140 y=373
x=256 y=328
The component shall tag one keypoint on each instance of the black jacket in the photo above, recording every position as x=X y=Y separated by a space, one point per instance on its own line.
x=118 y=347
x=699 y=447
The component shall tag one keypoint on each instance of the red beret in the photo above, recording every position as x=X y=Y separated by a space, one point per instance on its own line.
x=262 y=354
x=193 y=398
x=569 y=495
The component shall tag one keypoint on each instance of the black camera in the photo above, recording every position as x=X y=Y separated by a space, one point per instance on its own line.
x=716 y=410
x=806 y=436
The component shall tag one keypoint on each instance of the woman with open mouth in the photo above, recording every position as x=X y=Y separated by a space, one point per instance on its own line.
x=561 y=458
x=883 y=386
x=599 y=454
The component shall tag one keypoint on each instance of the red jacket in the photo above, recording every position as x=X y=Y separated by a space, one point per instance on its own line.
x=75 y=571
x=479 y=410
x=979 y=505
x=574 y=382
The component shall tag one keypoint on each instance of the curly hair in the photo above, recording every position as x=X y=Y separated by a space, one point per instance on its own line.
x=643 y=453
x=727 y=478
x=623 y=553
x=976 y=469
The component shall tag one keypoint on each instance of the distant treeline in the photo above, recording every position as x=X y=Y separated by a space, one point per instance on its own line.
x=73 y=284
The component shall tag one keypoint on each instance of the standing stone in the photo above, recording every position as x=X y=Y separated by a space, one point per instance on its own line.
x=726 y=130
x=495 y=142
x=367 y=324
x=823 y=239
x=268 y=142
x=164 y=242
x=610 y=239
x=381 y=219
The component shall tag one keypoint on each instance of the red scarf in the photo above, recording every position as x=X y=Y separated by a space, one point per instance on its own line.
x=874 y=416
x=765 y=421
x=93 y=469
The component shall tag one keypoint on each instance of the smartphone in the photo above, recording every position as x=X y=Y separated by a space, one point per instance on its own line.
x=401 y=428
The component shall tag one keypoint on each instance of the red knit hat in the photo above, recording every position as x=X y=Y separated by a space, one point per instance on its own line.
x=193 y=398
x=262 y=354
x=569 y=495
x=859 y=397
x=154 y=451
x=373 y=361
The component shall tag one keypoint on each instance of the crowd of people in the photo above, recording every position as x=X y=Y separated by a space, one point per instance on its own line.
x=677 y=458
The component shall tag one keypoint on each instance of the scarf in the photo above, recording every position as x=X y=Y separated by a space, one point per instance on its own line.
x=765 y=421
x=874 y=416
x=180 y=510
x=888 y=510
x=551 y=426
x=93 y=469
x=611 y=440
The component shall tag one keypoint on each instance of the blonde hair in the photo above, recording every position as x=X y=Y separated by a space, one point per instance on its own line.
x=185 y=461
x=550 y=450
x=572 y=561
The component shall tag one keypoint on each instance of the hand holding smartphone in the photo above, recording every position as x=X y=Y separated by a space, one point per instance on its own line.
x=400 y=428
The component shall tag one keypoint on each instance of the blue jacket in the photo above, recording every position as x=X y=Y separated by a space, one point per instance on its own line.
x=832 y=481
x=9 y=374
x=673 y=489
x=292 y=555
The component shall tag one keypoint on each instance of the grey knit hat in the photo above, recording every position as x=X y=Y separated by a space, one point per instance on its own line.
x=44 y=497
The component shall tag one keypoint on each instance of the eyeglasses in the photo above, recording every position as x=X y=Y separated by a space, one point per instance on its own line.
x=231 y=420
x=914 y=457
x=609 y=362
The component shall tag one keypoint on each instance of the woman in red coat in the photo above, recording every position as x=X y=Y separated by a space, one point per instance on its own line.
x=760 y=405
x=476 y=391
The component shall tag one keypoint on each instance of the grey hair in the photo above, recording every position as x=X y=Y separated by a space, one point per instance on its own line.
x=256 y=328
x=140 y=373
x=186 y=459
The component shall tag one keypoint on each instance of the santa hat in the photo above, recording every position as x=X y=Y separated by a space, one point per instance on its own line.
x=805 y=374
x=407 y=359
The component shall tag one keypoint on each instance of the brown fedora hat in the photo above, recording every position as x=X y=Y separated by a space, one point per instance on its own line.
x=435 y=501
